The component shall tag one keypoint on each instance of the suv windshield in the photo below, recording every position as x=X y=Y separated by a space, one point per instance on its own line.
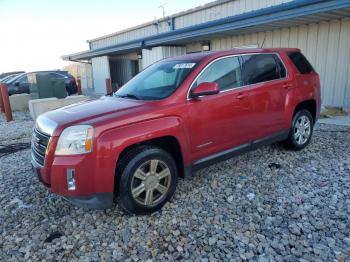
x=158 y=81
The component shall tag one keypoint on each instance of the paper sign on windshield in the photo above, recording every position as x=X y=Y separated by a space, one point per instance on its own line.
x=184 y=65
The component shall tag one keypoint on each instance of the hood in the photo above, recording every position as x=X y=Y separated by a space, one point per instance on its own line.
x=90 y=111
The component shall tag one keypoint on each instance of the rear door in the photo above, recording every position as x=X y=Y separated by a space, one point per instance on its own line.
x=269 y=84
x=219 y=122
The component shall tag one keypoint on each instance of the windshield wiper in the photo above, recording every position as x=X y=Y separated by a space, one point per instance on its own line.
x=129 y=96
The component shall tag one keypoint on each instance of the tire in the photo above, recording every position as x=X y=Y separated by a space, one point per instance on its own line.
x=148 y=180
x=302 y=122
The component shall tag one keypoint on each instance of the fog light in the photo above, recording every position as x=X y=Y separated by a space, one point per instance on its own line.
x=70 y=179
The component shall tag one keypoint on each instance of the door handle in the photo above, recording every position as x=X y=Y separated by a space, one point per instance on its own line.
x=287 y=86
x=240 y=96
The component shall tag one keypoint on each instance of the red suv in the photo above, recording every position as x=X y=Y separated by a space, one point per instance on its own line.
x=177 y=116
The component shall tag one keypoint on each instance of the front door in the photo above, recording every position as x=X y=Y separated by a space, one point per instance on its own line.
x=220 y=122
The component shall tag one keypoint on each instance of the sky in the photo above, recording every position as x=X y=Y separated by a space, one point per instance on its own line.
x=34 y=34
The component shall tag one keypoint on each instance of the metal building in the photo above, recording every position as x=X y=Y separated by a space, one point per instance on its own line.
x=320 y=28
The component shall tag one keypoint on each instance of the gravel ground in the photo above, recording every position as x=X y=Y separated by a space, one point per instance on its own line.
x=266 y=205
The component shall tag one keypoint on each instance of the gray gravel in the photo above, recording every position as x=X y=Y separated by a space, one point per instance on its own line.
x=297 y=209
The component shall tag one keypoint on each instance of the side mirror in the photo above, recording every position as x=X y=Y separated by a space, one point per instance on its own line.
x=205 y=89
x=16 y=83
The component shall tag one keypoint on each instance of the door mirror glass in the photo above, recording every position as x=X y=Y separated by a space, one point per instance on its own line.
x=205 y=89
x=16 y=83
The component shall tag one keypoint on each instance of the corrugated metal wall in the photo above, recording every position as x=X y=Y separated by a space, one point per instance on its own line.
x=325 y=44
x=160 y=52
x=85 y=75
x=197 y=16
x=100 y=71
x=227 y=9
x=169 y=51
x=151 y=56
x=126 y=36
x=123 y=68
x=121 y=71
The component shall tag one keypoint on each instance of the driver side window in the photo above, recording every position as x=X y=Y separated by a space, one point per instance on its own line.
x=226 y=72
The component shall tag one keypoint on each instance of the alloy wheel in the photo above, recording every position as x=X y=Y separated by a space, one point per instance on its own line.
x=302 y=130
x=150 y=182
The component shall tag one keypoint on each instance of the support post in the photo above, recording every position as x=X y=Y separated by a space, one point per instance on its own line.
x=79 y=86
x=108 y=86
x=6 y=102
x=2 y=108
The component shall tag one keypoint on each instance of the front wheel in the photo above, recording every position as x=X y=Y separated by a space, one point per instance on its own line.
x=148 y=180
x=301 y=131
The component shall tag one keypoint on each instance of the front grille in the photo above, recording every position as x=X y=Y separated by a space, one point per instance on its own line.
x=40 y=142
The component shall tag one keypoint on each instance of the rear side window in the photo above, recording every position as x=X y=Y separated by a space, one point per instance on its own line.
x=301 y=62
x=261 y=68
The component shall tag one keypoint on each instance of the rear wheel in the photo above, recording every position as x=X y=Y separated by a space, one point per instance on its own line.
x=301 y=131
x=148 y=180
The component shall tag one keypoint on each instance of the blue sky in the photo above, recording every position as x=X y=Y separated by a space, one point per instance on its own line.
x=34 y=34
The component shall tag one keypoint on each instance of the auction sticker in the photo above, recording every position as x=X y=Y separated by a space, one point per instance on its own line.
x=184 y=65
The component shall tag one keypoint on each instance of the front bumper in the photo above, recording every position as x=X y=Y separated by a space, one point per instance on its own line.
x=93 y=172
x=36 y=171
x=99 y=200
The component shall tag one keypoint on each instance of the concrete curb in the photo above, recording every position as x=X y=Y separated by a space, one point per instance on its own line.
x=40 y=106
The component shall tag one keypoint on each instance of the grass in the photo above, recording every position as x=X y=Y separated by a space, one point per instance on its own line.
x=330 y=112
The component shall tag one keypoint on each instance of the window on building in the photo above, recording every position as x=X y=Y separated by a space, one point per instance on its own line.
x=261 y=68
x=301 y=62
x=226 y=72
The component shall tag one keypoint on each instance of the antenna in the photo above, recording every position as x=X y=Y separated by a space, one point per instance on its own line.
x=163 y=7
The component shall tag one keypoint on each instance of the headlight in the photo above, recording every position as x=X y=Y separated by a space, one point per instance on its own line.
x=75 y=140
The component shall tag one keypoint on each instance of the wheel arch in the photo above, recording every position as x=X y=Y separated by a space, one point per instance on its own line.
x=309 y=105
x=168 y=143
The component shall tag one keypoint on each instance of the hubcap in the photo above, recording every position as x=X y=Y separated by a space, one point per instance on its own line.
x=150 y=182
x=302 y=130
